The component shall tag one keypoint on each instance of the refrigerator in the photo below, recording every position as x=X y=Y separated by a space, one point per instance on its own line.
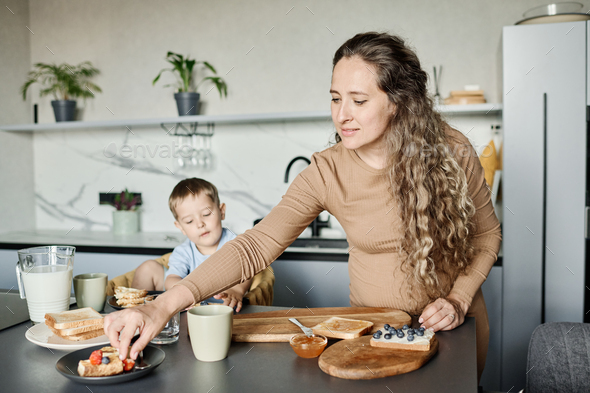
x=546 y=97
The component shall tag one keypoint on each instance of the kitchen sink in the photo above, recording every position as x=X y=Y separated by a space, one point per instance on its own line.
x=318 y=242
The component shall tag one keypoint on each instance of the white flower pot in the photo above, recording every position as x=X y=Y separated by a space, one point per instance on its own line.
x=125 y=222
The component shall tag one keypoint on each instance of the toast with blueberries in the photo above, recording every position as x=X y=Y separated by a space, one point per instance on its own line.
x=418 y=339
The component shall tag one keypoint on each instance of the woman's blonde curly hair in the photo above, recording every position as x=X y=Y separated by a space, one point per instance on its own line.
x=431 y=189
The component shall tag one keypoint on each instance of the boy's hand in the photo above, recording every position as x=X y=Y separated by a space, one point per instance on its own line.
x=231 y=297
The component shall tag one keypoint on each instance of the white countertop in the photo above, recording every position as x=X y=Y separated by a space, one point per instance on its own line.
x=95 y=238
x=145 y=240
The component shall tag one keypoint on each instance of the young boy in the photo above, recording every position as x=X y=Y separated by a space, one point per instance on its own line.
x=198 y=214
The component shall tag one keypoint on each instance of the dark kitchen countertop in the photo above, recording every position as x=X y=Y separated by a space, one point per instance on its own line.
x=250 y=367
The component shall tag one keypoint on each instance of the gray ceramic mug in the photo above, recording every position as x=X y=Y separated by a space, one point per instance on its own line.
x=210 y=329
x=90 y=290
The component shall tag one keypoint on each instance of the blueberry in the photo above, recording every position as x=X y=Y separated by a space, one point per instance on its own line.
x=410 y=337
x=419 y=332
x=393 y=330
x=105 y=360
x=386 y=326
x=379 y=332
x=376 y=335
x=387 y=336
x=400 y=333
x=406 y=327
x=422 y=328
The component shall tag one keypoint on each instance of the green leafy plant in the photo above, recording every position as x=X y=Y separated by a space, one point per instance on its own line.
x=63 y=81
x=126 y=201
x=183 y=70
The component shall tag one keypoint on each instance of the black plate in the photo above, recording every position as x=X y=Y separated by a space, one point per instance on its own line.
x=112 y=301
x=68 y=366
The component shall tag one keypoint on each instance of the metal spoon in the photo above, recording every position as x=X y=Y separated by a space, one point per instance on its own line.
x=140 y=364
x=308 y=332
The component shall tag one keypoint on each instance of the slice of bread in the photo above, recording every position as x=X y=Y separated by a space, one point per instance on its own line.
x=129 y=293
x=99 y=331
x=124 y=302
x=73 y=318
x=343 y=328
x=78 y=330
x=85 y=336
x=419 y=343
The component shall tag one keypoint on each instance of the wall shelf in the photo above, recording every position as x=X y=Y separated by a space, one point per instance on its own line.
x=476 y=109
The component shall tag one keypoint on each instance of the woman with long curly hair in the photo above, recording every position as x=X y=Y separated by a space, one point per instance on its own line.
x=407 y=188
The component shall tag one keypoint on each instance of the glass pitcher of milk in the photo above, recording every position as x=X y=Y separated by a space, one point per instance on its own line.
x=44 y=277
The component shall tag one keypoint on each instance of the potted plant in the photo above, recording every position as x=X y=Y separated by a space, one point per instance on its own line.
x=126 y=217
x=187 y=98
x=65 y=82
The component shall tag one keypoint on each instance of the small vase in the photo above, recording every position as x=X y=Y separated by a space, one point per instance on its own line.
x=125 y=222
x=187 y=103
x=64 y=110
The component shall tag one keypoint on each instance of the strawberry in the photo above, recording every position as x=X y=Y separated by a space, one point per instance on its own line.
x=96 y=357
x=128 y=364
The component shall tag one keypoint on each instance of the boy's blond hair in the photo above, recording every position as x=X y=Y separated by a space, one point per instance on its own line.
x=193 y=186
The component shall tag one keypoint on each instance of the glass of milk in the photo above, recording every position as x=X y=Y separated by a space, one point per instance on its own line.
x=44 y=277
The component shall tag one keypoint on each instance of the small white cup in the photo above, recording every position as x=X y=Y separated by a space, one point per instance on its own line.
x=90 y=290
x=210 y=329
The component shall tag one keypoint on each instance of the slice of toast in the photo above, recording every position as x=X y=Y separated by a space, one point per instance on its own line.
x=78 y=330
x=80 y=336
x=343 y=328
x=419 y=343
x=129 y=293
x=73 y=318
x=124 y=302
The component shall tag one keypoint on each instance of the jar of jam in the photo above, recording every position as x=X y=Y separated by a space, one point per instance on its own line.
x=308 y=347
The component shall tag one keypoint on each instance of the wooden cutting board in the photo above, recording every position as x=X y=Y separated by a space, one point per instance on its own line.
x=274 y=326
x=357 y=359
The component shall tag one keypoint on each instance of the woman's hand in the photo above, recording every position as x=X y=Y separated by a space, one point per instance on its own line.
x=231 y=297
x=150 y=319
x=120 y=327
x=444 y=314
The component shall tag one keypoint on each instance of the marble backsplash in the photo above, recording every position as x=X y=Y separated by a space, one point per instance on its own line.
x=248 y=167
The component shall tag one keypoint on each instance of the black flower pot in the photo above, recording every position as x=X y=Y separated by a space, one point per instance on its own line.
x=187 y=103
x=64 y=110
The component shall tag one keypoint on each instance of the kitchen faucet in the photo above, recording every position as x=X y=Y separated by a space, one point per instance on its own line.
x=291 y=164
x=316 y=224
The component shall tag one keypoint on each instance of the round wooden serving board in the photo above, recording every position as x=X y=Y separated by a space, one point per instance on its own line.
x=357 y=359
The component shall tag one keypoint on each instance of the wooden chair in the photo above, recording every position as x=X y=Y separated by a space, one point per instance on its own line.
x=260 y=294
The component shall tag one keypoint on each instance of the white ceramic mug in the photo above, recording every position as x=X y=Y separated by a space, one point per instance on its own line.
x=90 y=290
x=210 y=329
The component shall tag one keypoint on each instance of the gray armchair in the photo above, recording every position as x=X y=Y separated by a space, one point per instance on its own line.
x=559 y=358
